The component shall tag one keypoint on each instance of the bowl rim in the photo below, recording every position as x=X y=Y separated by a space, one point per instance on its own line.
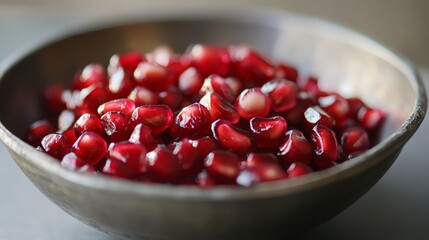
x=271 y=18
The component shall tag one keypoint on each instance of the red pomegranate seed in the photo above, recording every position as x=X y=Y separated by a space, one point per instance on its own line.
x=143 y=96
x=190 y=81
x=164 y=166
x=218 y=84
x=154 y=77
x=354 y=139
x=254 y=159
x=188 y=157
x=325 y=146
x=268 y=132
x=37 y=131
x=90 y=147
x=55 y=145
x=116 y=125
x=142 y=134
x=204 y=180
x=121 y=84
x=115 y=168
x=295 y=116
x=370 y=118
x=282 y=93
x=93 y=96
x=295 y=148
x=203 y=146
x=288 y=72
x=222 y=166
x=210 y=59
x=65 y=120
x=231 y=137
x=88 y=122
x=336 y=106
x=133 y=155
x=355 y=104
x=92 y=74
x=53 y=98
x=316 y=116
x=123 y=105
x=235 y=85
x=72 y=162
x=165 y=57
x=252 y=103
x=250 y=66
x=219 y=108
x=310 y=85
x=264 y=172
x=157 y=117
x=70 y=135
x=128 y=61
x=173 y=98
x=298 y=169
x=192 y=120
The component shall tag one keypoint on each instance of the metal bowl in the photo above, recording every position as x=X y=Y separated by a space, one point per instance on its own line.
x=344 y=60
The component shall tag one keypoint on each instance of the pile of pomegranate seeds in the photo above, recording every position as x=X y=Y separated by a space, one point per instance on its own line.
x=213 y=115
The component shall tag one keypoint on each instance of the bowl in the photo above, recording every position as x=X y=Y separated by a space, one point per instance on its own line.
x=344 y=60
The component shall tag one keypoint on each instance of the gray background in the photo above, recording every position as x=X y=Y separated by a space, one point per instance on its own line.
x=396 y=208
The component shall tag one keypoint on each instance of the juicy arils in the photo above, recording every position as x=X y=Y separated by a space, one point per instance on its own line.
x=210 y=116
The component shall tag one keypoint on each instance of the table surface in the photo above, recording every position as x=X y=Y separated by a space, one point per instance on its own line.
x=395 y=208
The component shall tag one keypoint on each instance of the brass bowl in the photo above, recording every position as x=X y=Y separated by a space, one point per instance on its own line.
x=344 y=60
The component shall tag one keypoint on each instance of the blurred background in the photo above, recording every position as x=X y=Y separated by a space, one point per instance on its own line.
x=396 y=208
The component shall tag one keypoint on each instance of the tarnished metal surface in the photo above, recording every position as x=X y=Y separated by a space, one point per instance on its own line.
x=344 y=60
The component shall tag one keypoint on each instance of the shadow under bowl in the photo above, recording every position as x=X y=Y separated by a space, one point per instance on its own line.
x=344 y=60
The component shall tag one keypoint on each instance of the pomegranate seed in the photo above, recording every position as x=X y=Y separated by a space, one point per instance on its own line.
x=268 y=132
x=287 y=72
x=250 y=66
x=204 y=180
x=254 y=159
x=210 y=59
x=252 y=103
x=90 y=147
x=219 y=108
x=355 y=104
x=371 y=119
x=133 y=155
x=172 y=98
x=72 y=162
x=190 y=81
x=142 y=134
x=325 y=147
x=88 y=122
x=295 y=148
x=217 y=84
x=115 y=168
x=143 y=96
x=310 y=85
x=38 y=130
x=354 y=139
x=231 y=137
x=336 y=106
x=203 y=146
x=235 y=85
x=121 y=84
x=157 y=117
x=154 y=77
x=128 y=62
x=194 y=119
x=65 y=120
x=53 y=98
x=295 y=116
x=316 y=116
x=122 y=105
x=164 y=166
x=93 y=96
x=70 y=135
x=222 y=166
x=55 y=145
x=116 y=126
x=188 y=157
x=298 y=169
x=282 y=93
x=264 y=172
x=92 y=74
x=165 y=57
